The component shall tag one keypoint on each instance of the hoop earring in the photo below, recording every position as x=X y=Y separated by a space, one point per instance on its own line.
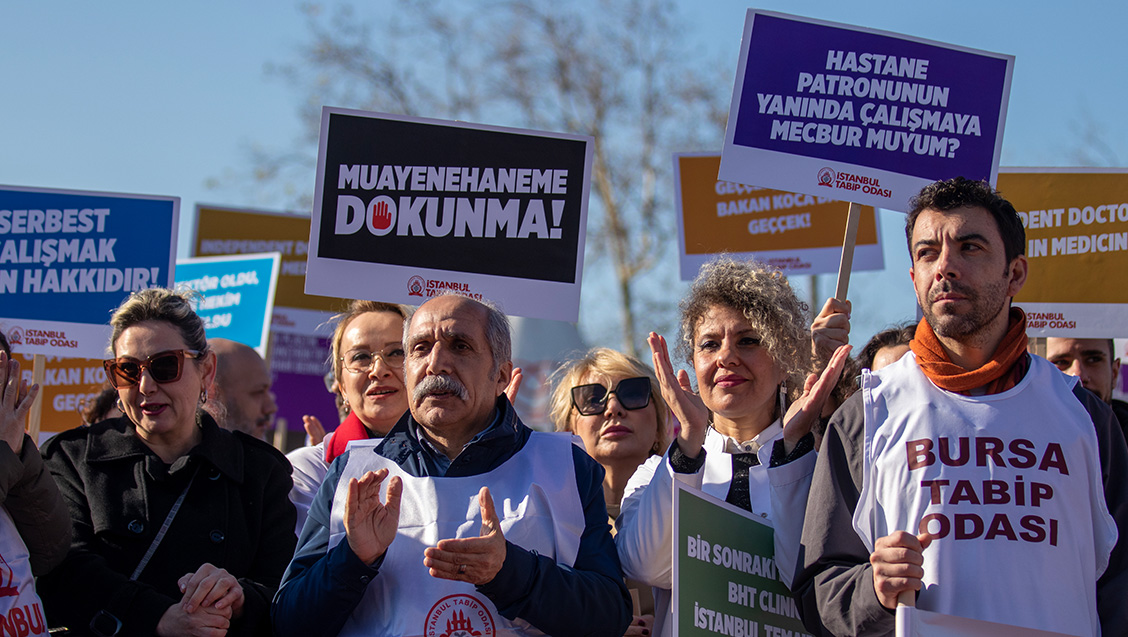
x=203 y=396
x=120 y=406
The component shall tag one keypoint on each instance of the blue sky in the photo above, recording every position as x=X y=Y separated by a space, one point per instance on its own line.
x=158 y=98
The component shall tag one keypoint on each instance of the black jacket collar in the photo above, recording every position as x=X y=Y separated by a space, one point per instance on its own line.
x=116 y=439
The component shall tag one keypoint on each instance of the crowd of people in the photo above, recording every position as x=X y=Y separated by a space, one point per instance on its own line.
x=945 y=465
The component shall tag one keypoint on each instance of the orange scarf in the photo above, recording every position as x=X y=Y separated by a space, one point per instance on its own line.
x=995 y=376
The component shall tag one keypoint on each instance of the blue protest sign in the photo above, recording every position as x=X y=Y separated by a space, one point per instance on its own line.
x=68 y=258
x=236 y=295
x=861 y=115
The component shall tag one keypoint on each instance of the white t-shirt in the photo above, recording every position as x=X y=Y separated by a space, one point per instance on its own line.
x=309 y=469
x=21 y=612
x=1008 y=484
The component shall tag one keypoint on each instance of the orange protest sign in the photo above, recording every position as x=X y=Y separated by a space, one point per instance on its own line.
x=1076 y=224
x=299 y=325
x=799 y=233
x=69 y=384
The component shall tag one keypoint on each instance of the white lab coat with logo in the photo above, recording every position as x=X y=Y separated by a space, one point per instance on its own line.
x=535 y=496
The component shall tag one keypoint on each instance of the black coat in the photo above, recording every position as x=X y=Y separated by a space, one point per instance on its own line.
x=237 y=515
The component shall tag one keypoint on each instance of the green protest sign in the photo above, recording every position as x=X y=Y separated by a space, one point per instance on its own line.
x=725 y=578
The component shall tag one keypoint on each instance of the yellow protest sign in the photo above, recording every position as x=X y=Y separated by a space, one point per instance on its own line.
x=1077 y=246
x=226 y=231
x=798 y=233
x=69 y=385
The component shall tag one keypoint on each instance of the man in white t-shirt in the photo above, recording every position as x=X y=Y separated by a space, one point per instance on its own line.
x=969 y=473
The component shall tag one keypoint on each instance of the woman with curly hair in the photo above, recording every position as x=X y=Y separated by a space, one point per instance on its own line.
x=745 y=334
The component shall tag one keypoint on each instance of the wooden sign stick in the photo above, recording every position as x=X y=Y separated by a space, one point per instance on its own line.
x=38 y=374
x=847 y=262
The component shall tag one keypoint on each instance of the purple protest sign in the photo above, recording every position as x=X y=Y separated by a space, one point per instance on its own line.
x=861 y=115
x=298 y=366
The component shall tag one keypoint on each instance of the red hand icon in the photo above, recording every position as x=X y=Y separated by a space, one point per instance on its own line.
x=381 y=216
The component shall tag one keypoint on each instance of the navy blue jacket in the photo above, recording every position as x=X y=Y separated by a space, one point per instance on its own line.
x=322 y=587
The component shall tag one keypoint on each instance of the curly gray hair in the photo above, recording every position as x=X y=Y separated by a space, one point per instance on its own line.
x=764 y=296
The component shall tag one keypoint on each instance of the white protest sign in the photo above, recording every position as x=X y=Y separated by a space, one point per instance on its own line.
x=914 y=622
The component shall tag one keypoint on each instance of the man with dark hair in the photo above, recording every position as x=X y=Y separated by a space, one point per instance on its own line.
x=374 y=564
x=958 y=467
x=1094 y=362
x=887 y=347
x=944 y=196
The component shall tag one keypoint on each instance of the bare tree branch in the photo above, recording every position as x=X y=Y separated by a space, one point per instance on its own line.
x=614 y=70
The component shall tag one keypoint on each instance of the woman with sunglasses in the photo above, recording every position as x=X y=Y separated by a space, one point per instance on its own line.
x=745 y=335
x=611 y=401
x=366 y=356
x=180 y=527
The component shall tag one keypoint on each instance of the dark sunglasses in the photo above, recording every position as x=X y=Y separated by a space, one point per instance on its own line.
x=164 y=367
x=633 y=393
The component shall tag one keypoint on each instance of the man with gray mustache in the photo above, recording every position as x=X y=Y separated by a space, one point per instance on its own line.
x=439 y=384
x=462 y=520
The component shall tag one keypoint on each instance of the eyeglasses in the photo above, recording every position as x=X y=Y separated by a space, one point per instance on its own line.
x=361 y=361
x=633 y=393
x=164 y=367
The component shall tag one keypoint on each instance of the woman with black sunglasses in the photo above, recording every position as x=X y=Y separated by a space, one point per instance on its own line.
x=612 y=402
x=180 y=527
x=745 y=335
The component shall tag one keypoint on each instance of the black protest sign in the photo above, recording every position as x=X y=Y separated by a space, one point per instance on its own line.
x=452 y=197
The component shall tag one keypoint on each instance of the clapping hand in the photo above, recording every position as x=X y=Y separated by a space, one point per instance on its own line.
x=370 y=524
x=16 y=399
x=805 y=411
x=315 y=431
x=476 y=560
x=679 y=395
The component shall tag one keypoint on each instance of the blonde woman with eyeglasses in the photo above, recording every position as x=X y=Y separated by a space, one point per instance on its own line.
x=366 y=356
